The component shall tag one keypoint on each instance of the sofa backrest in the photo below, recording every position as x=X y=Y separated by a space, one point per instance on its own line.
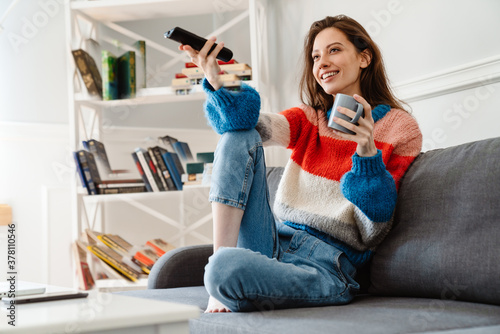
x=445 y=242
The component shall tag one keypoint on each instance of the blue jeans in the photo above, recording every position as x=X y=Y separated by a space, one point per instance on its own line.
x=273 y=266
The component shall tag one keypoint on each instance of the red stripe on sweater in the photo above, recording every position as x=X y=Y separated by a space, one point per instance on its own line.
x=331 y=158
x=317 y=154
x=398 y=166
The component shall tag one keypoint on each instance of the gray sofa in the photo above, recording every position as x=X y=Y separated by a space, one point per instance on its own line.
x=438 y=271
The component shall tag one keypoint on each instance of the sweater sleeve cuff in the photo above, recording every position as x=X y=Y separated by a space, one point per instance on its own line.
x=368 y=166
x=220 y=97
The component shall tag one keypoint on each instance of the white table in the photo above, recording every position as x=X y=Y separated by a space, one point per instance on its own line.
x=100 y=313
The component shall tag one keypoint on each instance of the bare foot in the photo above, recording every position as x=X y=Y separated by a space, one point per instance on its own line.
x=215 y=306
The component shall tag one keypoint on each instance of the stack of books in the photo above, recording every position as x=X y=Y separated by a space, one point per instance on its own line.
x=93 y=162
x=111 y=256
x=232 y=73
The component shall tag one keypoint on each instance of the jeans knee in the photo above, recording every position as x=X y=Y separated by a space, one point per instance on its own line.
x=220 y=271
x=240 y=140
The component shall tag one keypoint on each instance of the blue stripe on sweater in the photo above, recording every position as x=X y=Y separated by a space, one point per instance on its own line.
x=370 y=187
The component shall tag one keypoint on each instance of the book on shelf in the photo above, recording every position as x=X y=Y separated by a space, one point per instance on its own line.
x=195 y=74
x=168 y=142
x=220 y=62
x=116 y=258
x=117 y=243
x=160 y=246
x=161 y=168
x=172 y=162
x=144 y=177
x=83 y=273
x=119 y=75
x=183 y=151
x=125 y=66
x=206 y=157
x=149 y=169
x=121 y=256
x=194 y=173
x=140 y=62
x=181 y=86
x=99 y=268
x=109 y=190
x=146 y=256
x=99 y=151
x=113 y=259
x=87 y=169
x=235 y=67
x=89 y=72
x=109 y=76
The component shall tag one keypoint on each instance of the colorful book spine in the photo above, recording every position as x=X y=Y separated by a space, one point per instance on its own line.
x=145 y=167
x=178 y=163
x=183 y=150
x=85 y=278
x=88 y=71
x=146 y=256
x=80 y=170
x=141 y=171
x=157 y=168
x=160 y=246
x=169 y=159
x=106 y=256
x=89 y=171
x=122 y=190
x=109 y=76
x=141 y=73
x=99 y=151
x=157 y=154
x=154 y=172
x=126 y=75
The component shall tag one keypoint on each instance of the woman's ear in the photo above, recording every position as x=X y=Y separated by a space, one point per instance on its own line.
x=366 y=58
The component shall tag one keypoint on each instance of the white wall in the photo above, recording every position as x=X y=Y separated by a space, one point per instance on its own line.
x=419 y=39
x=34 y=139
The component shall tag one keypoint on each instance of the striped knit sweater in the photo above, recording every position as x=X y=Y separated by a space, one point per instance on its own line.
x=326 y=188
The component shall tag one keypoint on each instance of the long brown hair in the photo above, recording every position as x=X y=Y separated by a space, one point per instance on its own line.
x=373 y=81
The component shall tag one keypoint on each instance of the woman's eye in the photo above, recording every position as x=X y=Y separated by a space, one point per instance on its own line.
x=315 y=57
x=334 y=50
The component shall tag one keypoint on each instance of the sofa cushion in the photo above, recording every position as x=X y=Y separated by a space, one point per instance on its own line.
x=445 y=239
x=367 y=314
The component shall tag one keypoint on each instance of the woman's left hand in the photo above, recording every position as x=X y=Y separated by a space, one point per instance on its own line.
x=363 y=131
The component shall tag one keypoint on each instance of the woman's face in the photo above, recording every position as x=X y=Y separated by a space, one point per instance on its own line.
x=336 y=63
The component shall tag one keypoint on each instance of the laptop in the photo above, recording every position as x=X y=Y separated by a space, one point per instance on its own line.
x=22 y=289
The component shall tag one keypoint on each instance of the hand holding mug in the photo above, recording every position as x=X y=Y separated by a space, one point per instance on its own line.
x=351 y=118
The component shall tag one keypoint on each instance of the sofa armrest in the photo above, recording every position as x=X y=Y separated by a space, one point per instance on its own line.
x=181 y=267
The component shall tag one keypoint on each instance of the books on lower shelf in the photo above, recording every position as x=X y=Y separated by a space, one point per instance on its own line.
x=113 y=257
x=90 y=177
x=160 y=168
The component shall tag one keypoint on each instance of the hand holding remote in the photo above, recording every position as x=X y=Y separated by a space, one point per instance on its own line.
x=196 y=42
x=207 y=62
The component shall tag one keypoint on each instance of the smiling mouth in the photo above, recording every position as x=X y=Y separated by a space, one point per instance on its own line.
x=329 y=74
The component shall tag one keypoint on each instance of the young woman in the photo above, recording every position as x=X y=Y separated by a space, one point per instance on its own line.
x=337 y=195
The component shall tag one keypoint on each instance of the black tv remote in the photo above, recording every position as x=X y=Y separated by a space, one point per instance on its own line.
x=196 y=42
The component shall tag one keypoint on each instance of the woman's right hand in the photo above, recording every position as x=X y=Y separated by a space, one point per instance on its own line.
x=208 y=63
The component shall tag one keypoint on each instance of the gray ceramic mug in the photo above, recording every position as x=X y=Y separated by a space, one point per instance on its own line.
x=346 y=101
